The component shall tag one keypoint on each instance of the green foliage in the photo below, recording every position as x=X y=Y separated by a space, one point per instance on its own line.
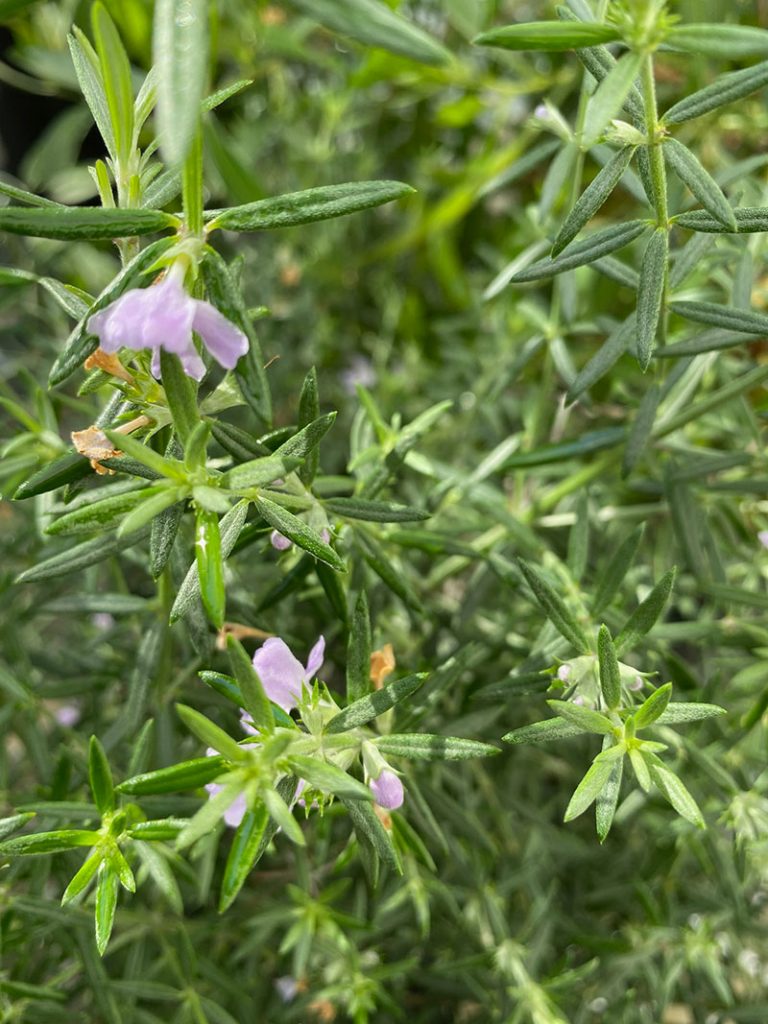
x=481 y=417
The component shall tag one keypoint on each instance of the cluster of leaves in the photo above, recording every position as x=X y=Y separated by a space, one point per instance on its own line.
x=472 y=415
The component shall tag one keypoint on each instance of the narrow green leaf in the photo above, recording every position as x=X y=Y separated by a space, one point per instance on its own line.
x=374 y=511
x=156 y=504
x=98 y=515
x=14 y=822
x=609 y=353
x=64 y=470
x=281 y=813
x=700 y=182
x=548 y=35
x=82 y=878
x=178 y=777
x=583 y=718
x=744 y=321
x=641 y=430
x=210 y=565
x=653 y=707
x=158 y=829
x=683 y=712
x=181 y=392
x=106 y=904
x=254 y=697
x=243 y=854
x=305 y=441
x=225 y=294
x=48 y=842
x=295 y=529
x=327 y=778
x=719 y=40
x=116 y=79
x=555 y=608
x=313 y=204
x=180 y=54
x=359 y=652
x=76 y=222
x=610 y=96
x=645 y=615
x=374 y=704
x=371 y=832
x=427 y=747
x=543 y=732
x=725 y=89
x=578 y=254
x=161 y=874
x=210 y=734
x=749 y=220
x=610 y=678
x=593 y=197
x=650 y=294
x=258 y=472
x=210 y=814
x=230 y=526
x=608 y=797
x=593 y=783
x=309 y=411
x=675 y=791
x=373 y=23
x=64 y=563
x=165 y=526
x=100 y=777
x=88 y=71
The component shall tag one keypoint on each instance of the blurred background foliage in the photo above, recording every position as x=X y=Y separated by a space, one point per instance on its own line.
x=504 y=913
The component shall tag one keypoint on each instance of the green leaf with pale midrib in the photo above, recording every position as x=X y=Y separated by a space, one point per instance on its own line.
x=313 y=204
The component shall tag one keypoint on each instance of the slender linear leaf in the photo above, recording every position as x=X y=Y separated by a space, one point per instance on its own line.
x=374 y=704
x=180 y=54
x=650 y=294
x=725 y=89
x=555 y=608
x=578 y=254
x=313 y=204
x=593 y=197
x=645 y=615
x=700 y=182
x=548 y=35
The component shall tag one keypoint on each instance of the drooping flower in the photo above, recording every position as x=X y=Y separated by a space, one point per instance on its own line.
x=282 y=674
x=387 y=790
x=164 y=316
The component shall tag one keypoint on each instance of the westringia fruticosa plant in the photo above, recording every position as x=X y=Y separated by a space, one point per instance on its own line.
x=268 y=565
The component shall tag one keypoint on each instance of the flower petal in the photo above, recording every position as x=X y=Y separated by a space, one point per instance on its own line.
x=387 y=790
x=235 y=813
x=315 y=659
x=221 y=337
x=281 y=674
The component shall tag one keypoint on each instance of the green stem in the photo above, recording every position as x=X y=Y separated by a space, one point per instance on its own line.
x=192 y=186
x=655 y=155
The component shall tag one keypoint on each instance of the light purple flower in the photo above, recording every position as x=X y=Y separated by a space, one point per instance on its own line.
x=67 y=715
x=278 y=541
x=164 y=316
x=360 y=371
x=282 y=674
x=281 y=543
x=387 y=790
x=763 y=538
x=563 y=672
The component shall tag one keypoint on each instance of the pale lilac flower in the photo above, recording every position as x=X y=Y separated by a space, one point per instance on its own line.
x=281 y=674
x=387 y=790
x=563 y=672
x=67 y=715
x=763 y=538
x=287 y=988
x=281 y=543
x=164 y=316
x=636 y=684
x=103 y=620
x=579 y=700
x=278 y=541
x=360 y=371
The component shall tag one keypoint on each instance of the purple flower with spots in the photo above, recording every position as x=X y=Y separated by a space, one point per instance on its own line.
x=164 y=317
x=282 y=674
x=387 y=790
